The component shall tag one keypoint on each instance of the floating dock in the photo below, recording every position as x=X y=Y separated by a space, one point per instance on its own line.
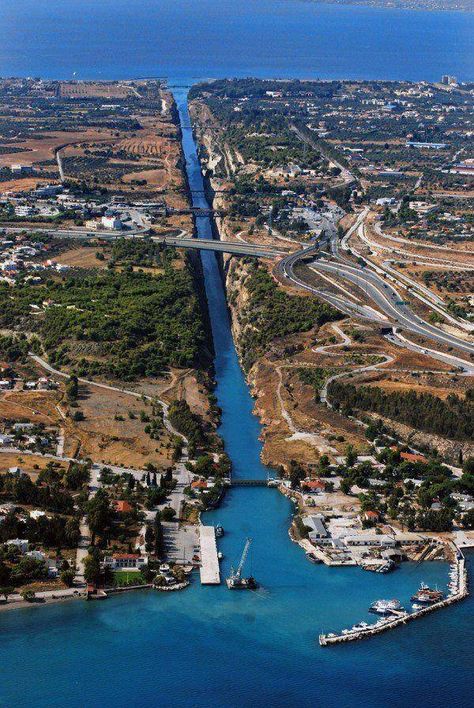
x=399 y=618
x=209 y=571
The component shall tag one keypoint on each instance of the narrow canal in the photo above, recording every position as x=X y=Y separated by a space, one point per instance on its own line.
x=207 y=646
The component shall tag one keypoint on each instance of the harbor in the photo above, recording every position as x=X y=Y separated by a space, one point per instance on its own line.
x=397 y=617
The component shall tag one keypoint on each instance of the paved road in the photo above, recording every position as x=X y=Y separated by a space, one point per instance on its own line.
x=237 y=249
x=382 y=293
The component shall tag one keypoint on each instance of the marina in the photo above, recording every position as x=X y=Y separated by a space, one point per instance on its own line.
x=396 y=617
x=209 y=570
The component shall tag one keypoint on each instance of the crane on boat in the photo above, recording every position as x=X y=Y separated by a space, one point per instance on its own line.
x=235 y=581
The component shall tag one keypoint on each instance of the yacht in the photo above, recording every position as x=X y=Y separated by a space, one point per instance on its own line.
x=385 y=607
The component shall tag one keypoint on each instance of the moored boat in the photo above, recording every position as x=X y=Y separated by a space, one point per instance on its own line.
x=426 y=595
x=385 y=607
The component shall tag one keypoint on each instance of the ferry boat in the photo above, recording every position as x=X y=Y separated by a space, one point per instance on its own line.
x=427 y=596
x=385 y=607
x=219 y=530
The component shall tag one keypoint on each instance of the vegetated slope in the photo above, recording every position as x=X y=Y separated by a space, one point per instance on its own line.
x=451 y=418
x=120 y=324
x=271 y=313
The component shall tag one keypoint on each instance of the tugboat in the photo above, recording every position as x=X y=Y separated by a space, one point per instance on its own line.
x=235 y=581
x=427 y=596
x=219 y=531
x=385 y=607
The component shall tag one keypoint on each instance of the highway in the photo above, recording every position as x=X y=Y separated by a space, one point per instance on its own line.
x=235 y=248
x=383 y=294
x=377 y=289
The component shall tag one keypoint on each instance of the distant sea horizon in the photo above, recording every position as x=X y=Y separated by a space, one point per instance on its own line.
x=188 y=41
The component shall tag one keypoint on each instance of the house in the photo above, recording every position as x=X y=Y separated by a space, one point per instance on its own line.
x=15 y=471
x=37 y=555
x=20 y=543
x=122 y=507
x=199 y=485
x=5 y=440
x=370 y=516
x=6 y=384
x=313 y=485
x=128 y=561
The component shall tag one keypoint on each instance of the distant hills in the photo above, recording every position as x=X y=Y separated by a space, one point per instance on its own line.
x=462 y=5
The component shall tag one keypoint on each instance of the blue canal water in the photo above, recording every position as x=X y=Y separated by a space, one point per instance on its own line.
x=208 y=646
x=211 y=647
x=199 y=38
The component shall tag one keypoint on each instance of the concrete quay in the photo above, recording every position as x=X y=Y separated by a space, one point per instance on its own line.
x=403 y=617
x=209 y=571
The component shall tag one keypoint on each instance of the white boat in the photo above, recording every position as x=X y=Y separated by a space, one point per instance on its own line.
x=385 y=607
x=416 y=606
x=220 y=555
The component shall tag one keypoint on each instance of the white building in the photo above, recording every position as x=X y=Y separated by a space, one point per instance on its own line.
x=111 y=222
x=21 y=169
x=373 y=539
x=126 y=561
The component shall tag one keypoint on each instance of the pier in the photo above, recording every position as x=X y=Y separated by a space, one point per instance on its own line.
x=209 y=571
x=398 y=618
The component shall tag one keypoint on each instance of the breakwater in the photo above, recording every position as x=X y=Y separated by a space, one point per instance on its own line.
x=401 y=617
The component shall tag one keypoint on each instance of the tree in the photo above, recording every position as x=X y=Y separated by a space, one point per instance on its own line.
x=159 y=540
x=467 y=519
x=76 y=476
x=28 y=595
x=67 y=577
x=72 y=388
x=296 y=474
x=92 y=570
x=99 y=513
x=346 y=486
x=149 y=539
x=351 y=456
x=168 y=513
x=6 y=591
x=4 y=573
x=72 y=532
x=468 y=466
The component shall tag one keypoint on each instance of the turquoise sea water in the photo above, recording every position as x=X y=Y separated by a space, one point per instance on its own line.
x=208 y=646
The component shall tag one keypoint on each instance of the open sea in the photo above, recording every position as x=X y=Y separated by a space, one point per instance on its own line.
x=207 y=646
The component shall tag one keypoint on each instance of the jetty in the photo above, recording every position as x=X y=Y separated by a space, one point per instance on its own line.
x=398 y=618
x=209 y=570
